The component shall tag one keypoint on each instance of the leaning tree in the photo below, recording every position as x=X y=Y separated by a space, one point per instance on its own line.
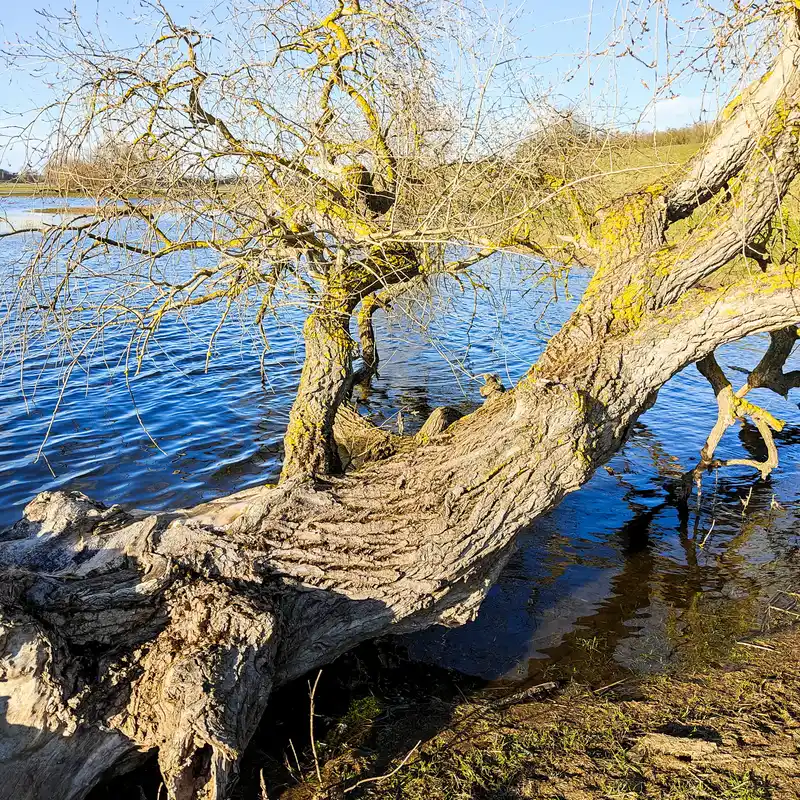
x=310 y=165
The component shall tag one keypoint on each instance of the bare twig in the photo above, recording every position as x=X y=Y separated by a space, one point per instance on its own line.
x=296 y=760
x=263 y=784
x=525 y=694
x=311 y=727
x=708 y=534
x=378 y=778
x=755 y=646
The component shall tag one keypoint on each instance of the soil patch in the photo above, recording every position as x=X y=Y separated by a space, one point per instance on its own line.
x=731 y=732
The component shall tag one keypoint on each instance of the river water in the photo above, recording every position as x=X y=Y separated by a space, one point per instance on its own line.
x=617 y=574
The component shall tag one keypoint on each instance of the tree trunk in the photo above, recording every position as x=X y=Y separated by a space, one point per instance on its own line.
x=363 y=441
x=366 y=335
x=123 y=634
x=309 y=444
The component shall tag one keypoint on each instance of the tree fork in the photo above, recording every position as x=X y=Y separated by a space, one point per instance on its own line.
x=327 y=377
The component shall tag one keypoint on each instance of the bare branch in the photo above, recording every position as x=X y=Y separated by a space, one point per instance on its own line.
x=768 y=373
x=732 y=407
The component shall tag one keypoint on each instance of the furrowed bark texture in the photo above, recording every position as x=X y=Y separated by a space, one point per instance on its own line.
x=363 y=441
x=309 y=444
x=122 y=634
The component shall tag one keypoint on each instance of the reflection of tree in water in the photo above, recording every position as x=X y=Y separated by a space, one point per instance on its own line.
x=708 y=599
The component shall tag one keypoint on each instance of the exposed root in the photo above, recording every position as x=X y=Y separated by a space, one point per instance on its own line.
x=439 y=420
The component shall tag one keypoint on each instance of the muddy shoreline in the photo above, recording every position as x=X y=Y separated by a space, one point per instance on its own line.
x=731 y=731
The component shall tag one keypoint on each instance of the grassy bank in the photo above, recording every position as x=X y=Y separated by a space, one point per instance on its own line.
x=12 y=189
x=632 y=168
x=731 y=732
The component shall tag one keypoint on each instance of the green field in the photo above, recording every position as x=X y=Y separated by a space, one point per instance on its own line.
x=12 y=189
x=634 y=167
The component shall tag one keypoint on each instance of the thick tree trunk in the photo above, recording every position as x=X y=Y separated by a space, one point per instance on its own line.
x=122 y=634
x=327 y=378
x=309 y=444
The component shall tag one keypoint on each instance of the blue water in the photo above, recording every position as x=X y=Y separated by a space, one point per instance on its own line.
x=616 y=572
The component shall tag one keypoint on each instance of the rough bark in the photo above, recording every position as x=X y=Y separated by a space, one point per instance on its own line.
x=327 y=377
x=639 y=272
x=309 y=443
x=728 y=152
x=123 y=634
x=362 y=441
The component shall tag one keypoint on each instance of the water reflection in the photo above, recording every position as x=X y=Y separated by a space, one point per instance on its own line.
x=621 y=575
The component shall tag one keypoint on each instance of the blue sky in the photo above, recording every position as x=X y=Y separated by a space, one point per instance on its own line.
x=547 y=40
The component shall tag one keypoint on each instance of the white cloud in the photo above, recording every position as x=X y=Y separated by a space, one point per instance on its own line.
x=677 y=112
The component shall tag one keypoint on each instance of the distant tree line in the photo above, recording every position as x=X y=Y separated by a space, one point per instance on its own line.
x=94 y=172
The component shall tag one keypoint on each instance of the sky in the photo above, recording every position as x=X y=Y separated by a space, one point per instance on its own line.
x=547 y=41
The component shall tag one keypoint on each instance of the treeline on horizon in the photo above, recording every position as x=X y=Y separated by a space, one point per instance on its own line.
x=98 y=170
